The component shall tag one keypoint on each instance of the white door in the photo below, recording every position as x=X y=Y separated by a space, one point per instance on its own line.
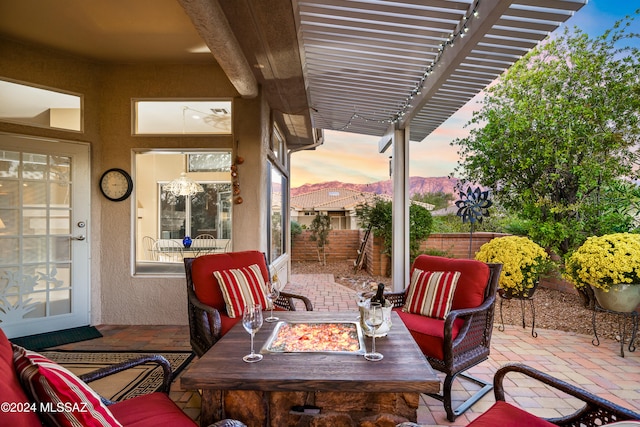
x=44 y=235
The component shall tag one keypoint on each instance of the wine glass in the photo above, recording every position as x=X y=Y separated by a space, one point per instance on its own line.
x=373 y=319
x=252 y=322
x=361 y=296
x=272 y=295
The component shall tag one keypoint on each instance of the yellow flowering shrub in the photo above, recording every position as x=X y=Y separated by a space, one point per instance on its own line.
x=606 y=260
x=522 y=261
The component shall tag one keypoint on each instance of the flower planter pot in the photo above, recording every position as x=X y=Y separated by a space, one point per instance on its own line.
x=623 y=298
x=526 y=293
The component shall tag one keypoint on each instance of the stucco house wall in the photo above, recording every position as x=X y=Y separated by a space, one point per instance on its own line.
x=118 y=297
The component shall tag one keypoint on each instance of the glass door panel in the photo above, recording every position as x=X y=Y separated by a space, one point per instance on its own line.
x=42 y=287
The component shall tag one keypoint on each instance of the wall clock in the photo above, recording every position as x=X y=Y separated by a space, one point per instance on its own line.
x=116 y=184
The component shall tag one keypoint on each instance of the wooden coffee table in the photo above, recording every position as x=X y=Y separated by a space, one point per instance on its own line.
x=342 y=385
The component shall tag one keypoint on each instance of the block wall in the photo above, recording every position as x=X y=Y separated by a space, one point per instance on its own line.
x=344 y=245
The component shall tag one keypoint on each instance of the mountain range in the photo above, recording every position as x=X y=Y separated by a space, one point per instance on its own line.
x=417 y=185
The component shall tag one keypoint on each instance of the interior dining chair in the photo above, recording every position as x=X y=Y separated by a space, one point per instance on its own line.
x=168 y=250
x=148 y=245
x=204 y=244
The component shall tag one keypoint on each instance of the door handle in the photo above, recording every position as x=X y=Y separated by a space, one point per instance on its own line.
x=80 y=237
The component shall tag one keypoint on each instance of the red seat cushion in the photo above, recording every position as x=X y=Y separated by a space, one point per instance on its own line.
x=428 y=332
x=11 y=390
x=205 y=284
x=473 y=281
x=155 y=409
x=506 y=415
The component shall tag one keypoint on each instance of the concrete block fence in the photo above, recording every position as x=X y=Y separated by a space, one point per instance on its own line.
x=344 y=244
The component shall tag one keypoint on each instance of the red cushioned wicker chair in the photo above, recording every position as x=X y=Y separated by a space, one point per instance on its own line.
x=151 y=409
x=208 y=319
x=463 y=338
x=595 y=412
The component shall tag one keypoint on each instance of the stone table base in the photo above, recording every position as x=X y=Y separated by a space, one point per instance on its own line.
x=264 y=408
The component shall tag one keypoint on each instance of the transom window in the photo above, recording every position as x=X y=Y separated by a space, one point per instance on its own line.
x=40 y=107
x=181 y=117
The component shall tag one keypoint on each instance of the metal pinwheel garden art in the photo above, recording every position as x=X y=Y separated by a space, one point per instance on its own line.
x=472 y=207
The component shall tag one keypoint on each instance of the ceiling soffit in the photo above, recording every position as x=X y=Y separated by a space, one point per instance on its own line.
x=266 y=33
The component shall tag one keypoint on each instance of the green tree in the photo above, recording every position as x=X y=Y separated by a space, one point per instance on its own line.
x=296 y=230
x=420 y=226
x=557 y=130
x=320 y=227
x=438 y=199
x=379 y=216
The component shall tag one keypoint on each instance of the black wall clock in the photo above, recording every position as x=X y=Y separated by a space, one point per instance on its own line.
x=116 y=184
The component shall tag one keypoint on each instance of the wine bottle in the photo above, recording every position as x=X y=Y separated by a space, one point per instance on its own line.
x=379 y=296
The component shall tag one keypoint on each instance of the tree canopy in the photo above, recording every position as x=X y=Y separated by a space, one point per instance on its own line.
x=378 y=216
x=558 y=130
x=438 y=199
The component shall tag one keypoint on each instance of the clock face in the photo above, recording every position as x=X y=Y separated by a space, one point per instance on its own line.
x=116 y=184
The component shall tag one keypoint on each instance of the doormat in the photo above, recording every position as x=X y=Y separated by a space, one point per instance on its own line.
x=53 y=339
x=132 y=382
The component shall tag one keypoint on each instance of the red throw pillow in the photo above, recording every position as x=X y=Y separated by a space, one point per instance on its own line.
x=430 y=293
x=241 y=286
x=62 y=398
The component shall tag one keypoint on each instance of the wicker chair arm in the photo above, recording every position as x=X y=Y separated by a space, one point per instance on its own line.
x=482 y=310
x=119 y=367
x=467 y=312
x=396 y=298
x=206 y=308
x=286 y=301
x=596 y=412
x=213 y=314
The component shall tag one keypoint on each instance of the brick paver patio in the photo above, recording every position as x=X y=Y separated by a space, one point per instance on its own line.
x=565 y=355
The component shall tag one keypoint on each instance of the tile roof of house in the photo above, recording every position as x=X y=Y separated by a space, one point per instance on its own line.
x=328 y=199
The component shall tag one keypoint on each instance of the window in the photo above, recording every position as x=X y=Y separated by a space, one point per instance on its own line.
x=277 y=144
x=208 y=212
x=210 y=162
x=164 y=219
x=39 y=107
x=277 y=212
x=181 y=117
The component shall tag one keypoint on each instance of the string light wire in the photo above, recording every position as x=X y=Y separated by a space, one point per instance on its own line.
x=461 y=30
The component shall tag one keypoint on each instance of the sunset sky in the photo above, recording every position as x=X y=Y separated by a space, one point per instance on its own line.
x=354 y=158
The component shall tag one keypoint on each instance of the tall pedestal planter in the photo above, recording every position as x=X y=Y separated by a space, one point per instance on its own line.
x=524 y=295
x=623 y=298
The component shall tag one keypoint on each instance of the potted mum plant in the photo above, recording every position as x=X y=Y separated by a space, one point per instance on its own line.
x=609 y=264
x=523 y=261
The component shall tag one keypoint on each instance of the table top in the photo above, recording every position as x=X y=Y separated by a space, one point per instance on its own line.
x=403 y=369
x=191 y=248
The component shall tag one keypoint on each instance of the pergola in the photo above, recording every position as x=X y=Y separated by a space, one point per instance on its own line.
x=392 y=69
